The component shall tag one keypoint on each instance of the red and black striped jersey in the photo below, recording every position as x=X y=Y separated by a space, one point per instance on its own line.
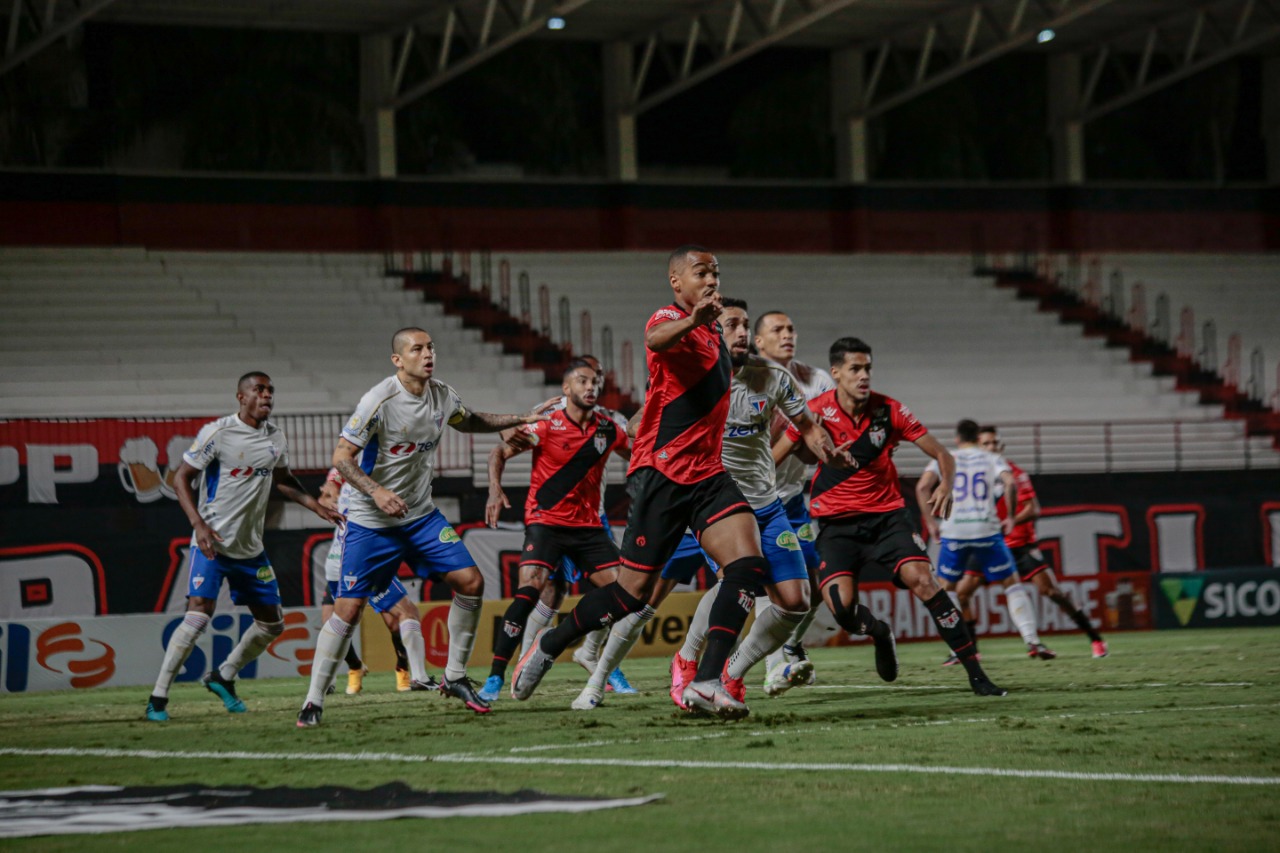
x=871 y=486
x=1025 y=533
x=568 y=467
x=682 y=431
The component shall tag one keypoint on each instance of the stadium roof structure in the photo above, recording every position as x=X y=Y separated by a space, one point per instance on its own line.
x=661 y=48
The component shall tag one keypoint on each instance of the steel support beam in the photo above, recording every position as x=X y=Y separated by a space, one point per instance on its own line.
x=1022 y=29
x=780 y=21
x=485 y=44
x=16 y=55
x=1207 y=43
x=621 y=158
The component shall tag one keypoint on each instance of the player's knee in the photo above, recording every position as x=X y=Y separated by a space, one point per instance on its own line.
x=917 y=577
x=845 y=612
x=792 y=597
x=747 y=572
x=467 y=582
x=271 y=629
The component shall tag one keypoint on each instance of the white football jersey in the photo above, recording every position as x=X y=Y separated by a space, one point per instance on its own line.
x=236 y=462
x=757 y=390
x=792 y=473
x=398 y=434
x=975 y=490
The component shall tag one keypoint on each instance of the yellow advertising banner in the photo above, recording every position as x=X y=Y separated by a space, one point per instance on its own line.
x=662 y=637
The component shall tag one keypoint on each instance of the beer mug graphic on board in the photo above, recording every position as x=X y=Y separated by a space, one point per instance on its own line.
x=139 y=471
x=177 y=445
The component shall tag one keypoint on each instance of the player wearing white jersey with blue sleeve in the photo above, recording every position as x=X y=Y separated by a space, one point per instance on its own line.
x=775 y=339
x=387 y=454
x=972 y=546
x=239 y=460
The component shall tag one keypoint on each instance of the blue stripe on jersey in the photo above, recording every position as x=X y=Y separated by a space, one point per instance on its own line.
x=369 y=456
x=211 y=480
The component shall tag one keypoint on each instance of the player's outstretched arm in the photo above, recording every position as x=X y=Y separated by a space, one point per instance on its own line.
x=344 y=459
x=205 y=535
x=940 y=500
x=497 y=501
x=287 y=484
x=666 y=335
x=924 y=489
x=486 y=422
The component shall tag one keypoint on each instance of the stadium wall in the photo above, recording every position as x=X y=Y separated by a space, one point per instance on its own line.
x=249 y=213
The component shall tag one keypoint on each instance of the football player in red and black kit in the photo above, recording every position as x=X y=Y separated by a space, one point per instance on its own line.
x=678 y=481
x=1029 y=560
x=862 y=516
x=562 y=511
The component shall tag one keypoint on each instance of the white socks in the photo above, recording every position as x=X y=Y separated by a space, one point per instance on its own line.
x=181 y=642
x=772 y=628
x=592 y=642
x=415 y=648
x=253 y=643
x=540 y=618
x=1022 y=612
x=331 y=648
x=697 y=635
x=464 y=616
x=621 y=639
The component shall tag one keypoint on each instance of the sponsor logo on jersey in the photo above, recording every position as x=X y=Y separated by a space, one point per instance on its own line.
x=877 y=437
x=246 y=473
x=788 y=540
x=640 y=540
x=805 y=533
x=266 y=573
x=408 y=448
x=354 y=423
x=758 y=402
x=667 y=314
x=558 y=424
x=916 y=537
x=831 y=413
x=448 y=534
x=743 y=431
x=662 y=455
x=601 y=443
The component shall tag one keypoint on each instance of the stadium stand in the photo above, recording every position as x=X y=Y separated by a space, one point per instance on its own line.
x=127 y=332
x=950 y=345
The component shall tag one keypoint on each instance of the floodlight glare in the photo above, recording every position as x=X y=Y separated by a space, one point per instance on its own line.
x=1045 y=35
x=555 y=23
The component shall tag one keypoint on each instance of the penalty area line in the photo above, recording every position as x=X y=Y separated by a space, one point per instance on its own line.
x=660 y=763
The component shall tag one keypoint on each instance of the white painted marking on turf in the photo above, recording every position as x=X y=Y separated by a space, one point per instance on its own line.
x=595 y=743
x=959 y=686
x=772 y=767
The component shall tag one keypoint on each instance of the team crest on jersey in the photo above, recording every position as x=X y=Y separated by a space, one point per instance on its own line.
x=877 y=437
x=831 y=413
x=915 y=537
x=354 y=423
x=758 y=402
x=788 y=540
x=449 y=535
x=266 y=573
x=349 y=581
x=601 y=443
x=197 y=581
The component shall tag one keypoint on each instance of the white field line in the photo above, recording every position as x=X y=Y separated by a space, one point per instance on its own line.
x=959 y=686
x=958 y=721
x=768 y=766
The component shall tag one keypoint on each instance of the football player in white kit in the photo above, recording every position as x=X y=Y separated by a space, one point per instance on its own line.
x=757 y=391
x=972 y=539
x=239 y=459
x=775 y=339
x=387 y=455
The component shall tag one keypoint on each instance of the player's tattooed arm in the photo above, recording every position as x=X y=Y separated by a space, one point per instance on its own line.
x=344 y=459
x=941 y=499
x=288 y=485
x=485 y=422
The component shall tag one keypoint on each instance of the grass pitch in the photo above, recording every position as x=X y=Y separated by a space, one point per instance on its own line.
x=1171 y=743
